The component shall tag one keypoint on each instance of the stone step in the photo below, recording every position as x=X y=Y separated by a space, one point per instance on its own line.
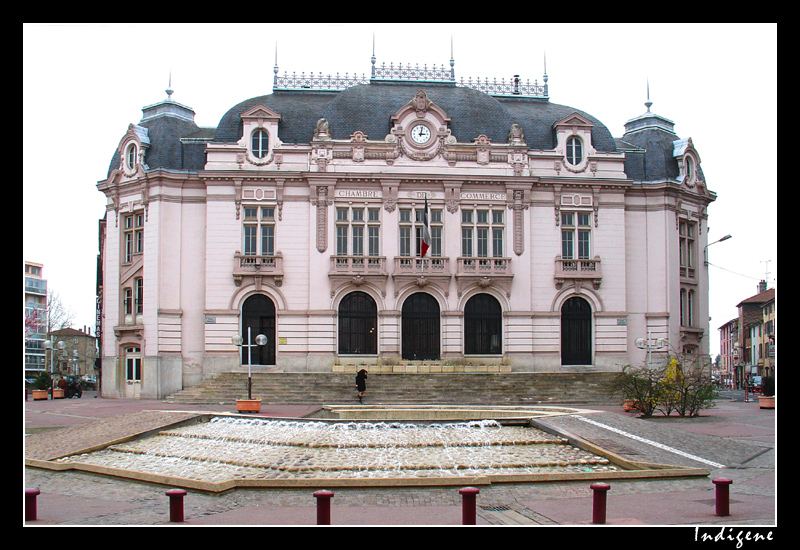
x=396 y=388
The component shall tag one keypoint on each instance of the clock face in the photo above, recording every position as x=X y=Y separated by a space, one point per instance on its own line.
x=420 y=133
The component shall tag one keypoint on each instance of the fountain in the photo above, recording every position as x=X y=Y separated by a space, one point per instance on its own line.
x=220 y=452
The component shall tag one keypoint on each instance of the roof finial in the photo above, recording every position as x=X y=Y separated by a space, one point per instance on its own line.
x=648 y=103
x=275 y=68
x=373 y=54
x=546 y=92
x=452 y=60
x=169 y=89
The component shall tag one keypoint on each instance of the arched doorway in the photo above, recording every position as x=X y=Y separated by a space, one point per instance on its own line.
x=576 y=332
x=420 y=327
x=358 y=324
x=258 y=315
x=483 y=320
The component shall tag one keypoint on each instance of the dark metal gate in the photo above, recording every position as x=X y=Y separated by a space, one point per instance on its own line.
x=420 y=327
x=576 y=332
x=258 y=315
x=358 y=324
x=482 y=326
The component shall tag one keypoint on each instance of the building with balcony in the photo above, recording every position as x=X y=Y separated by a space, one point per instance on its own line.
x=35 y=318
x=755 y=334
x=400 y=216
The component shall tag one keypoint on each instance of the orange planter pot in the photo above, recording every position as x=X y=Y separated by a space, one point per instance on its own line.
x=58 y=393
x=39 y=395
x=248 y=405
x=766 y=402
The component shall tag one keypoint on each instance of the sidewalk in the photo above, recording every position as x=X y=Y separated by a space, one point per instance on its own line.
x=737 y=436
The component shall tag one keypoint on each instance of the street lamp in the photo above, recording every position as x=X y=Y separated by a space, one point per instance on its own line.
x=705 y=249
x=238 y=341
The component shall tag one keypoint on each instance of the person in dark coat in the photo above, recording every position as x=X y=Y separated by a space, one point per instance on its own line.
x=361 y=383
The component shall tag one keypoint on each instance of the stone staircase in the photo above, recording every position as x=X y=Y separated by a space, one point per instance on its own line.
x=574 y=388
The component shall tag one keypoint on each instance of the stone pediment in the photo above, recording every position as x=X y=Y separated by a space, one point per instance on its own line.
x=260 y=112
x=574 y=119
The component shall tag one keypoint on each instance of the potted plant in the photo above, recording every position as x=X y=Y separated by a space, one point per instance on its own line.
x=41 y=386
x=767 y=398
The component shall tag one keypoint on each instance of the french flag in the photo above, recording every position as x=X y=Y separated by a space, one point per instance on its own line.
x=426 y=231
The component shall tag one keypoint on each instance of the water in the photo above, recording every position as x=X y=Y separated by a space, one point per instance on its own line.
x=235 y=448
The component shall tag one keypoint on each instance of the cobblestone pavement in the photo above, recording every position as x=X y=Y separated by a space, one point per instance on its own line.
x=733 y=440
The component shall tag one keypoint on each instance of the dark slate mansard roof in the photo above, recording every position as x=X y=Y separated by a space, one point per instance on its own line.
x=368 y=107
x=177 y=143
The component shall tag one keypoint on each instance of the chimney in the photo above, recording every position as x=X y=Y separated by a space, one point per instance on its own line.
x=762 y=286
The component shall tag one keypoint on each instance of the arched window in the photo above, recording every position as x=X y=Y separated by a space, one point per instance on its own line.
x=258 y=317
x=358 y=324
x=260 y=144
x=576 y=332
x=574 y=150
x=483 y=326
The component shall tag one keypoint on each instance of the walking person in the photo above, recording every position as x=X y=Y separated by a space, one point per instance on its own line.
x=361 y=383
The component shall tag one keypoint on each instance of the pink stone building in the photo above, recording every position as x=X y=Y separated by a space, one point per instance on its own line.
x=550 y=245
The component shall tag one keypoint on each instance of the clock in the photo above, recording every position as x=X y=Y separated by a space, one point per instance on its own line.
x=420 y=133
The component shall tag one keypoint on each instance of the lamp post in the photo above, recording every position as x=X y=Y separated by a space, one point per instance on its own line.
x=238 y=341
x=705 y=249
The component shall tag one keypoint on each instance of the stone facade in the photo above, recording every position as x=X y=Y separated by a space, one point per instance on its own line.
x=553 y=245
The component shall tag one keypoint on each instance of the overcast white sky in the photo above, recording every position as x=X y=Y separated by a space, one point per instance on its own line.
x=83 y=85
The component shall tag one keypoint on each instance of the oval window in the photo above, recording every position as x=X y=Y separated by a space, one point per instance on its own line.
x=260 y=144
x=574 y=151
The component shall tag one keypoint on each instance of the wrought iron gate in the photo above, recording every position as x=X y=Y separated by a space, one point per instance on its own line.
x=576 y=332
x=420 y=327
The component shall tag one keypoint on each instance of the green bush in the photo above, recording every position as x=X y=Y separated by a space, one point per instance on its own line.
x=685 y=390
x=768 y=386
x=43 y=381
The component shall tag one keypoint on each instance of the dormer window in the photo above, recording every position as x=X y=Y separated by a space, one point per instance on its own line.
x=260 y=144
x=574 y=151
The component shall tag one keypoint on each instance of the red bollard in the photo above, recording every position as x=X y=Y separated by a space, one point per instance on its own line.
x=30 y=504
x=176 y=504
x=323 y=507
x=599 y=502
x=469 y=514
x=722 y=494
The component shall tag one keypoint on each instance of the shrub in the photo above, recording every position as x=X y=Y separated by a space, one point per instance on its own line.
x=640 y=385
x=43 y=381
x=768 y=386
x=685 y=390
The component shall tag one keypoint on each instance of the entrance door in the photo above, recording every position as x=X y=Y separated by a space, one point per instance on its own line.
x=258 y=315
x=483 y=320
x=358 y=324
x=420 y=327
x=576 y=332
x=133 y=372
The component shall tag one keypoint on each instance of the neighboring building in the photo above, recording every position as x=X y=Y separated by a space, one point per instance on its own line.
x=35 y=318
x=76 y=357
x=729 y=370
x=550 y=245
x=757 y=335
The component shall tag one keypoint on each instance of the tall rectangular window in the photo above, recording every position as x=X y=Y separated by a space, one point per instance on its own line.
x=482 y=233
x=133 y=236
x=259 y=231
x=358 y=231
x=411 y=224
x=576 y=235
x=687 y=232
